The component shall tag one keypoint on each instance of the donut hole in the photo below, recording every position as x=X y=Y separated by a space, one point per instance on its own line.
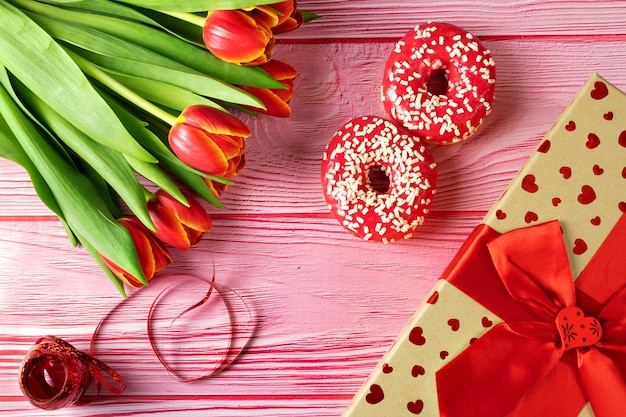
x=378 y=179
x=438 y=83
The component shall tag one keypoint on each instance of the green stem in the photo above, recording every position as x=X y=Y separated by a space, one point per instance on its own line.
x=100 y=75
x=187 y=17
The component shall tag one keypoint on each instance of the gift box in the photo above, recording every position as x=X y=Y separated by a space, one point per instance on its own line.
x=529 y=317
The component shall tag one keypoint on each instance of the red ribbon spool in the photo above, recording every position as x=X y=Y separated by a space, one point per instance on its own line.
x=55 y=374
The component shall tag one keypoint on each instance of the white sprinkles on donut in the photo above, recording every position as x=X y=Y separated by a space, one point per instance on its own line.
x=428 y=50
x=360 y=146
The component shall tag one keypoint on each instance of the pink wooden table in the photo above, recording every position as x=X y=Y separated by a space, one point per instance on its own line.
x=327 y=305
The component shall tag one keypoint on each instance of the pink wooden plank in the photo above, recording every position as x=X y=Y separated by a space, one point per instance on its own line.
x=262 y=255
x=194 y=406
x=319 y=331
x=366 y=19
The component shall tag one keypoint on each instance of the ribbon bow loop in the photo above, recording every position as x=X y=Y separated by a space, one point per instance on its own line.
x=534 y=268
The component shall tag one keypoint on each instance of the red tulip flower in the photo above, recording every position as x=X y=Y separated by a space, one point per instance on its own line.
x=153 y=256
x=276 y=101
x=238 y=37
x=217 y=188
x=294 y=21
x=209 y=140
x=280 y=17
x=176 y=224
x=236 y=165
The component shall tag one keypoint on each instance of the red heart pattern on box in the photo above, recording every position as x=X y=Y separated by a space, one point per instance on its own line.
x=572 y=174
x=437 y=333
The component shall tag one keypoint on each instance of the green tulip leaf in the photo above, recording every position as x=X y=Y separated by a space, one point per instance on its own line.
x=108 y=163
x=10 y=149
x=114 y=279
x=189 y=31
x=164 y=94
x=171 y=5
x=194 y=82
x=8 y=81
x=154 y=174
x=85 y=212
x=103 y=43
x=108 y=195
x=60 y=1
x=29 y=53
x=162 y=42
x=107 y=7
x=113 y=48
x=193 y=181
x=308 y=16
x=196 y=5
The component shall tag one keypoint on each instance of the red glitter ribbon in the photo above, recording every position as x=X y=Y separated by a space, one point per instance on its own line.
x=55 y=374
x=525 y=365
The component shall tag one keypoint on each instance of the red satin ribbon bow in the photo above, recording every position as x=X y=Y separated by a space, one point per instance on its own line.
x=560 y=344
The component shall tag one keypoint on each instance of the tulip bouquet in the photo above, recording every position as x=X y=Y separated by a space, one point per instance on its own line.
x=102 y=101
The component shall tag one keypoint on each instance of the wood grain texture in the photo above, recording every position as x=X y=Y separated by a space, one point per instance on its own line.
x=326 y=304
x=371 y=19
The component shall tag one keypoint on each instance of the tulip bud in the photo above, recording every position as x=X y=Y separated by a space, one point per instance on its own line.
x=209 y=140
x=217 y=188
x=290 y=17
x=281 y=17
x=276 y=100
x=238 y=37
x=153 y=256
x=178 y=225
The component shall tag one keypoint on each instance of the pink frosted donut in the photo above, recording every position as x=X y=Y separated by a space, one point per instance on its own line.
x=361 y=147
x=463 y=67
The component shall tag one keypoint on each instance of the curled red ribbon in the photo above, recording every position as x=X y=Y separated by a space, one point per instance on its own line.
x=536 y=363
x=55 y=374
x=214 y=329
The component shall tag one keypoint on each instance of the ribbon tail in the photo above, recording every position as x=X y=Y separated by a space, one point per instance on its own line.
x=602 y=382
x=559 y=394
x=490 y=377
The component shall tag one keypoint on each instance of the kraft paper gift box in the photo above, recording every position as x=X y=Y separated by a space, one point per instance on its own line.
x=529 y=318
